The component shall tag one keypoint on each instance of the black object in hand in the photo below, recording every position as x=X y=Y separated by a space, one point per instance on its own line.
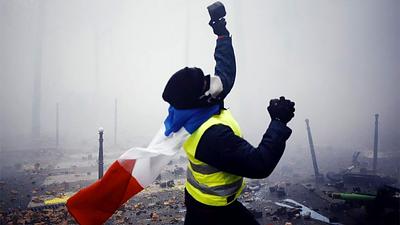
x=217 y=13
x=281 y=109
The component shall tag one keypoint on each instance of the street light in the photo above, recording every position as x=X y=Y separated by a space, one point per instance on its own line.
x=101 y=163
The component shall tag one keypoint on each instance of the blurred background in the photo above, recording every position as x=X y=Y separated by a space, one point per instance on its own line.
x=105 y=63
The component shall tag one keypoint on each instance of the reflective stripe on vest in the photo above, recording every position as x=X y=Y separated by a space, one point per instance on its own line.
x=205 y=183
x=221 y=190
x=203 y=169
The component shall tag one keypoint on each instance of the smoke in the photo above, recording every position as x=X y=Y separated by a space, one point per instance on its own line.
x=338 y=60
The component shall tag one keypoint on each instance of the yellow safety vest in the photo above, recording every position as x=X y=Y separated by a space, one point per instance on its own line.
x=205 y=183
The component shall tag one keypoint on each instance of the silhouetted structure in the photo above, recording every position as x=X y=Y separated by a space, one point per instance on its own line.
x=318 y=176
x=101 y=163
x=57 y=124
x=375 y=162
x=115 y=121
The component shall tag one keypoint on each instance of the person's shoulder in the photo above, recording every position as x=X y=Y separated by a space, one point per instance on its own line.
x=218 y=131
x=215 y=137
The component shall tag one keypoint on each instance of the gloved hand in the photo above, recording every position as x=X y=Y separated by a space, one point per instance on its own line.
x=219 y=27
x=281 y=109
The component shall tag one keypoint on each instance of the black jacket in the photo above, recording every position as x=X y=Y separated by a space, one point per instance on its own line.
x=222 y=149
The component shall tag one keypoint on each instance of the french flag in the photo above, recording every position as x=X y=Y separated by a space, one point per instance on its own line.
x=136 y=168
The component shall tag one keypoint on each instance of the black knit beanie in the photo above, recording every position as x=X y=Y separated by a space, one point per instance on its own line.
x=185 y=87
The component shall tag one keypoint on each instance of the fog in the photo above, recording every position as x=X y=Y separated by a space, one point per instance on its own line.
x=338 y=60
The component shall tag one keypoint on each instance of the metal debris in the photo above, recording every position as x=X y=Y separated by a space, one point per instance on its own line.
x=305 y=211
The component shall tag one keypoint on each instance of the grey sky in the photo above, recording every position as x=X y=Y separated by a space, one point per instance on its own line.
x=337 y=59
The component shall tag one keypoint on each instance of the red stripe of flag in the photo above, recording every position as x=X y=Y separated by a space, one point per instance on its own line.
x=96 y=203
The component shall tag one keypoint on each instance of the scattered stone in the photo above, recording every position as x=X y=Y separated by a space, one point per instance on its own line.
x=167 y=184
x=138 y=206
x=179 y=171
x=246 y=194
x=150 y=205
x=254 y=188
x=249 y=200
x=268 y=211
x=170 y=183
x=291 y=213
x=169 y=202
x=154 y=216
x=175 y=220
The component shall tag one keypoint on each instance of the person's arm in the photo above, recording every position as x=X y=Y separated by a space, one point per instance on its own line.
x=222 y=149
x=225 y=68
x=222 y=81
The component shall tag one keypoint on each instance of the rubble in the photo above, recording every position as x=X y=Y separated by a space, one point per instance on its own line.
x=293 y=213
x=179 y=171
x=254 y=187
x=163 y=202
x=257 y=214
x=46 y=216
x=154 y=216
x=167 y=184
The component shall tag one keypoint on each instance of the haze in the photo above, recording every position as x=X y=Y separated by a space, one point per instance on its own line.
x=338 y=60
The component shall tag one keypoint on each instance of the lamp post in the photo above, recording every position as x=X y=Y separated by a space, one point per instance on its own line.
x=375 y=162
x=101 y=163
